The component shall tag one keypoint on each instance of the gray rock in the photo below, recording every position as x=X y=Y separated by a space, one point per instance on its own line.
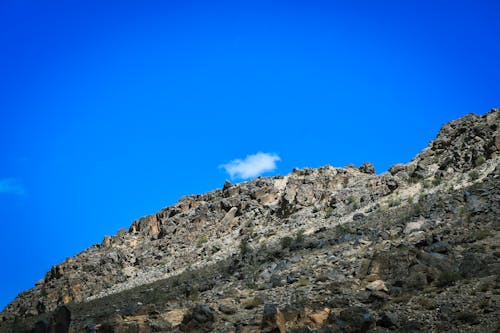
x=388 y=320
x=355 y=319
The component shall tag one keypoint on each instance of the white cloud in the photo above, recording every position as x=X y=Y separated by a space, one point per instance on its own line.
x=11 y=186
x=251 y=166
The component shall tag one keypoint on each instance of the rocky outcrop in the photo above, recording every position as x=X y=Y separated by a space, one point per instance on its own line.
x=327 y=249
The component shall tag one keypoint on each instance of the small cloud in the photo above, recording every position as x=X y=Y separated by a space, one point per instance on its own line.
x=251 y=166
x=11 y=186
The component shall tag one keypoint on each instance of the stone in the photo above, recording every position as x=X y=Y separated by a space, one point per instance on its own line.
x=388 y=320
x=377 y=285
x=319 y=317
x=439 y=241
x=199 y=318
x=414 y=226
x=273 y=320
x=439 y=247
x=174 y=317
x=41 y=326
x=367 y=168
x=355 y=319
x=61 y=319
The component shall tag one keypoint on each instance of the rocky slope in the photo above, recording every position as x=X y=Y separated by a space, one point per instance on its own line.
x=327 y=250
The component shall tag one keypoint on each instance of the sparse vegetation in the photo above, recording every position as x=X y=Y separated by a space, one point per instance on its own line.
x=328 y=212
x=245 y=249
x=251 y=303
x=394 y=201
x=202 y=240
x=303 y=282
x=447 y=278
x=286 y=242
x=437 y=180
x=425 y=302
x=353 y=202
x=473 y=175
x=480 y=160
x=299 y=236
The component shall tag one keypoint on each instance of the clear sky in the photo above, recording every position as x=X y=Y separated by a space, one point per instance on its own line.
x=111 y=110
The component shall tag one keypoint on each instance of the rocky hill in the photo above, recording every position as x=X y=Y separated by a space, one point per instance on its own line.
x=318 y=250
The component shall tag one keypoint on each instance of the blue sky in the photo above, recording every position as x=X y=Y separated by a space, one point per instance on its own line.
x=109 y=112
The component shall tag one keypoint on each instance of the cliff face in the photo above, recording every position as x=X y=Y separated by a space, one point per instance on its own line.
x=337 y=249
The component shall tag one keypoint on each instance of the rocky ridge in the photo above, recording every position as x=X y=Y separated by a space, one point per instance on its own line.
x=328 y=249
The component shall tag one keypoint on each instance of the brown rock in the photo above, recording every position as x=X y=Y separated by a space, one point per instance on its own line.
x=319 y=317
x=377 y=285
x=174 y=318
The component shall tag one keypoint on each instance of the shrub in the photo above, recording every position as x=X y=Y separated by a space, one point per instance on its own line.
x=393 y=202
x=473 y=175
x=252 y=303
x=328 y=212
x=447 y=278
x=479 y=161
x=299 y=236
x=245 y=249
x=202 y=240
x=303 y=282
x=286 y=242
x=437 y=180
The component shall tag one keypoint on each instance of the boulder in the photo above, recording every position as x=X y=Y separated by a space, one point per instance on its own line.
x=61 y=319
x=354 y=319
x=199 y=319
x=273 y=320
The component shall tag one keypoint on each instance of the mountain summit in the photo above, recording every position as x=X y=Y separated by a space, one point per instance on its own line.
x=414 y=249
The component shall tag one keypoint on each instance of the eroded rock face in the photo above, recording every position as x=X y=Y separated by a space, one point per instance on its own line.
x=329 y=249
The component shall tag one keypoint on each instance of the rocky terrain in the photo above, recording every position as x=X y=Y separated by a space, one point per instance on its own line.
x=318 y=250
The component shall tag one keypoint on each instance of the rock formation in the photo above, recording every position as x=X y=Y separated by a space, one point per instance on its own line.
x=317 y=250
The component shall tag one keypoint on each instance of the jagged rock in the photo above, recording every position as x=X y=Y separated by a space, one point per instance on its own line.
x=367 y=168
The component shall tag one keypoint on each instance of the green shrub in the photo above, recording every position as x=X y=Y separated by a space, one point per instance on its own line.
x=328 y=212
x=479 y=161
x=286 y=242
x=202 y=240
x=245 y=249
x=303 y=282
x=473 y=175
x=299 y=236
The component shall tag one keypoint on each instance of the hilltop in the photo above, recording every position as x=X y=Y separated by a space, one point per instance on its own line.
x=328 y=249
